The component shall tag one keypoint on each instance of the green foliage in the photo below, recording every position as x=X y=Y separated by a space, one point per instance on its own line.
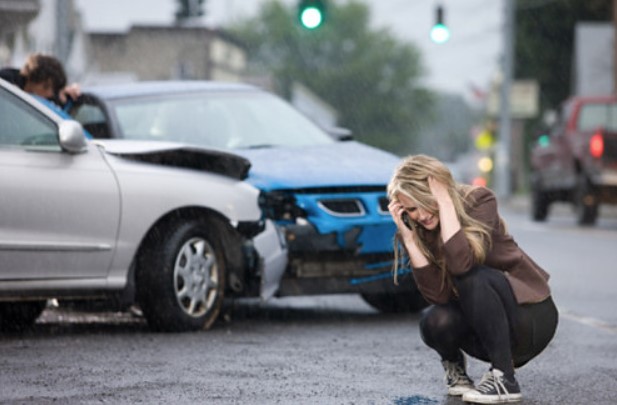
x=368 y=76
x=545 y=42
x=545 y=46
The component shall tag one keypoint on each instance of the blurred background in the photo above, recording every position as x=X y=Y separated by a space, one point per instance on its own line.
x=475 y=96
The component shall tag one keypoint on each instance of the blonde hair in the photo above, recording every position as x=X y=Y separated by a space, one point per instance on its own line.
x=411 y=180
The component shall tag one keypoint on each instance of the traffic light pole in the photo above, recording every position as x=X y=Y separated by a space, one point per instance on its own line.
x=502 y=154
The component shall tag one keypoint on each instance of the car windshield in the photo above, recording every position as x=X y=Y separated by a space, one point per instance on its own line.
x=598 y=115
x=222 y=120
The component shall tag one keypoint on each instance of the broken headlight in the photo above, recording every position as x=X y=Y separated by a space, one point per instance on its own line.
x=280 y=206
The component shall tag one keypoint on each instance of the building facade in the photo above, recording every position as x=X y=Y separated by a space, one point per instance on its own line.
x=168 y=52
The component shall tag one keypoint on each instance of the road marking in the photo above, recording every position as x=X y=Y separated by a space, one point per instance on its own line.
x=586 y=320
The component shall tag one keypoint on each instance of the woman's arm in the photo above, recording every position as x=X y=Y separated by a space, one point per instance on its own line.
x=448 y=219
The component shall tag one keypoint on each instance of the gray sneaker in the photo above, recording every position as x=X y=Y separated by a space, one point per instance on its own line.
x=494 y=388
x=456 y=378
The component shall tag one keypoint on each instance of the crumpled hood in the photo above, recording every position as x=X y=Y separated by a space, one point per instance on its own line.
x=179 y=155
x=339 y=164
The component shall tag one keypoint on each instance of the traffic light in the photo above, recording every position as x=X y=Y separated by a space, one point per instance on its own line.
x=440 y=32
x=311 y=13
x=189 y=8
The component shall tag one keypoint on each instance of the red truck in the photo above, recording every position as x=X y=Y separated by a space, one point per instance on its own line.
x=576 y=161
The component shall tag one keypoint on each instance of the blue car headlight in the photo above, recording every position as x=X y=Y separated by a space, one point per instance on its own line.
x=280 y=206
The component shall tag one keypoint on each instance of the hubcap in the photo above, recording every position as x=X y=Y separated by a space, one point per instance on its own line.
x=196 y=277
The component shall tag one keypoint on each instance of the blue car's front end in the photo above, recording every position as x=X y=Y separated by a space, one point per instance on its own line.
x=331 y=202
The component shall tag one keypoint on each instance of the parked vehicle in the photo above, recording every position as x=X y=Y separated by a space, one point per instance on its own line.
x=576 y=161
x=85 y=220
x=327 y=193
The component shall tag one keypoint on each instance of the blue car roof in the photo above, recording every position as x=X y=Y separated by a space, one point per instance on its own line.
x=150 y=88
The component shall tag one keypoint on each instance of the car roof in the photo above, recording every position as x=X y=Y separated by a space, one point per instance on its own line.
x=152 y=88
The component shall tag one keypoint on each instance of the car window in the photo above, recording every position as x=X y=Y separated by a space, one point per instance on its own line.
x=223 y=120
x=22 y=126
x=92 y=118
x=594 y=116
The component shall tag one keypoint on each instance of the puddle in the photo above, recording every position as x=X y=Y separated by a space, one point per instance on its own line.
x=415 y=400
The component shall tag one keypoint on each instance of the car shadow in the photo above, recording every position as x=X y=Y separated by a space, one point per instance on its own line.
x=237 y=313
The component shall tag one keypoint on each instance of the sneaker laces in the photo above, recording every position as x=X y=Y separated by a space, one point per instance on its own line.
x=492 y=381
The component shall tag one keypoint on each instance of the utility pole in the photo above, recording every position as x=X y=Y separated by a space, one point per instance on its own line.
x=63 y=30
x=502 y=154
x=615 y=46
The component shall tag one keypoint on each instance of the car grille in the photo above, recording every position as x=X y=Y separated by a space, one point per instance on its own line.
x=383 y=205
x=342 y=207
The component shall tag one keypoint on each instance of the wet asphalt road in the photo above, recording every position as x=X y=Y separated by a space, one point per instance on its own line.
x=315 y=350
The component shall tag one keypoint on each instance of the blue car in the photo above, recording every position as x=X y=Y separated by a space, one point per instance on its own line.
x=326 y=193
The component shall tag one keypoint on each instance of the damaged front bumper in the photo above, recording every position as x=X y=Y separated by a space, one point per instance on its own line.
x=337 y=263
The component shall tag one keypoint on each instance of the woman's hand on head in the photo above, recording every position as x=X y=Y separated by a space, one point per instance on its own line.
x=439 y=191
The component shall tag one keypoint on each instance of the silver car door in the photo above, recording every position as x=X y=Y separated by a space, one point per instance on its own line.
x=59 y=212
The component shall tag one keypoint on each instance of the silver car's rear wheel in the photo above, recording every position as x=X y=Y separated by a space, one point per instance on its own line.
x=196 y=277
x=180 y=275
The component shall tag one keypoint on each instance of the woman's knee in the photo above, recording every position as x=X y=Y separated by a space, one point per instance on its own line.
x=438 y=320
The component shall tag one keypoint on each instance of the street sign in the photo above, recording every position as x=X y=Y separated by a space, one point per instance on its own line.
x=524 y=99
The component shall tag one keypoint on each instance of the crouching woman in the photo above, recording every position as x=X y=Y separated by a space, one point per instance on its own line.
x=490 y=300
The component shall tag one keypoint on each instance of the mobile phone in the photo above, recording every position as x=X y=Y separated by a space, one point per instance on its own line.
x=407 y=221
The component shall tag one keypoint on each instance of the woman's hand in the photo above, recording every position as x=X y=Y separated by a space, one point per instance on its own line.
x=440 y=191
x=408 y=236
x=448 y=218
x=396 y=210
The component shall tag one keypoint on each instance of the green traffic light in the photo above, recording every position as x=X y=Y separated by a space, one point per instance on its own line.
x=311 y=17
x=440 y=33
x=311 y=13
x=544 y=140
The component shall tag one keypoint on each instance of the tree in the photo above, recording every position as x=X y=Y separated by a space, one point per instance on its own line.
x=545 y=46
x=368 y=76
x=545 y=42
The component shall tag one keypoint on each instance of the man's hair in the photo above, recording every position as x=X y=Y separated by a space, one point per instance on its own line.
x=41 y=68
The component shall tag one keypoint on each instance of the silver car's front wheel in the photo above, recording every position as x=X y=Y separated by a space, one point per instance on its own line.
x=196 y=277
x=180 y=276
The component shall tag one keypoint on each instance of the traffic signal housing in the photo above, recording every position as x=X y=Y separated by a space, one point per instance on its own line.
x=311 y=13
x=440 y=33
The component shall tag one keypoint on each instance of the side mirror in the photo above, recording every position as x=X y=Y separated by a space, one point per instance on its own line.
x=72 y=137
x=340 y=134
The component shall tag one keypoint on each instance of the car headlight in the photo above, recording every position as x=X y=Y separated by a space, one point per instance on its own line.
x=280 y=205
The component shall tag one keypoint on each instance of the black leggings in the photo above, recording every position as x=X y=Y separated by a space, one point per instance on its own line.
x=487 y=323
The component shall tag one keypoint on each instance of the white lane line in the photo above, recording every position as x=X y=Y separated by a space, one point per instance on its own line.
x=586 y=320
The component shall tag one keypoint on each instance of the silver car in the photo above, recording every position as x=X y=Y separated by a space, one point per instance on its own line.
x=83 y=219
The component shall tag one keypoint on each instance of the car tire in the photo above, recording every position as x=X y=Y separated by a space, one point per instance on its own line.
x=585 y=202
x=181 y=277
x=395 y=302
x=540 y=203
x=15 y=316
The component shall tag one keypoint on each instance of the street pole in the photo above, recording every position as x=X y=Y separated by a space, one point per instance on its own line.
x=502 y=154
x=62 y=45
x=615 y=47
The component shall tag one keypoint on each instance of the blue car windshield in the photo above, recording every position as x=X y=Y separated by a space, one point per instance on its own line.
x=222 y=120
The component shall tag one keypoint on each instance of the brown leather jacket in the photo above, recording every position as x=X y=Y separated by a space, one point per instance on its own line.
x=528 y=280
